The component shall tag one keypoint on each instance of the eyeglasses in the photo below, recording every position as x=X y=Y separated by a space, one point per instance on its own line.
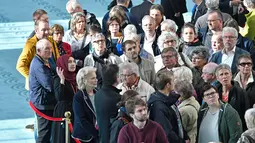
x=98 y=41
x=229 y=37
x=169 y=41
x=244 y=64
x=168 y=56
x=210 y=94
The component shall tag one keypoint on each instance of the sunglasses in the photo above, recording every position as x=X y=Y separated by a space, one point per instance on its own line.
x=244 y=64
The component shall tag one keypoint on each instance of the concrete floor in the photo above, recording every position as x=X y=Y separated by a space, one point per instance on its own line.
x=15 y=26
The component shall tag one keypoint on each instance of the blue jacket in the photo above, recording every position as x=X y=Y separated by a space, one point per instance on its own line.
x=41 y=85
x=217 y=58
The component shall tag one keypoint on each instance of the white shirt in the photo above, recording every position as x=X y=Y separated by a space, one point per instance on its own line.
x=228 y=57
x=147 y=45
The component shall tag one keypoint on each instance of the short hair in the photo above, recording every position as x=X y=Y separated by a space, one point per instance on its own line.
x=118 y=12
x=231 y=23
x=230 y=30
x=249 y=117
x=111 y=19
x=37 y=22
x=183 y=73
x=250 y=3
x=211 y=67
x=41 y=44
x=170 y=23
x=95 y=28
x=83 y=75
x=57 y=27
x=212 y=4
x=162 y=78
x=74 y=4
x=96 y=36
x=222 y=66
x=164 y=36
x=38 y=13
x=130 y=66
x=131 y=104
x=127 y=42
x=132 y=36
x=75 y=19
x=219 y=14
x=122 y=1
x=184 y=88
x=207 y=86
x=110 y=74
x=158 y=7
x=129 y=94
x=129 y=29
x=244 y=56
x=189 y=25
x=170 y=49
x=201 y=51
x=148 y=17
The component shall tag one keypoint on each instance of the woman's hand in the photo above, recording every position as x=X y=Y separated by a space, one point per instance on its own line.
x=60 y=73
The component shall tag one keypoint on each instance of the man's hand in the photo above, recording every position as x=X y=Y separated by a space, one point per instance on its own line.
x=177 y=14
x=235 y=2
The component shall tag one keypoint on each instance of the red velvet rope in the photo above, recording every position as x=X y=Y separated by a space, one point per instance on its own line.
x=71 y=130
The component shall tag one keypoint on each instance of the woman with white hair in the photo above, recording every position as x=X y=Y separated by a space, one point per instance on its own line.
x=249 y=135
x=84 y=128
x=249 y=27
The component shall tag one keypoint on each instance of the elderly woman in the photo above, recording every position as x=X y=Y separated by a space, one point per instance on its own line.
x=84 y=128
x=249 y=27
x=168 y=25
x=131 y=80
x=230 y=92
x=65 y=87
x=114 y=36
x=249 y=135
x=77 y=37
x=188 y=108
x=170 y=39
x=123 y=118
x=100 y=56
x=246 y=77
x=129 y=29
x=57 y=33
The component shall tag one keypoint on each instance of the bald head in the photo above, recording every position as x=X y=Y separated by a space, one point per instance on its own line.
x=209 y=72
x=148 y=24
x=44 y=49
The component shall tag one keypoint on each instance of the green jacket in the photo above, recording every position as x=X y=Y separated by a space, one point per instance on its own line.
x=230 y=125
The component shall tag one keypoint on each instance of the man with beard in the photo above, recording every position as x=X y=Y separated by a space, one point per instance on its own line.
x=146 y=67
x=141 y=130
x=230 y=53
x=163 y=109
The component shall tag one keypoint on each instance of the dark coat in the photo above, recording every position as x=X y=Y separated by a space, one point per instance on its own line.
x=199 y=11
x=217 y=57
x=156 y=50
x=225 y=7
x=162 y=113
x=120 y=121
x=237 y=98
x=141 y=10
x=106 y=110
x=230 y=127
x=84 y=127
x=41 y=85
x=198 y=83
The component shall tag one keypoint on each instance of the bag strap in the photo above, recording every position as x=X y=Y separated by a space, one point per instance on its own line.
x=192 y=106
x=251 y=140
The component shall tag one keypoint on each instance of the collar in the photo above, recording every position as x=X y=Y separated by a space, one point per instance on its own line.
x=152 y=40
x=232 y=51
x=238 y=79
x=148 y=1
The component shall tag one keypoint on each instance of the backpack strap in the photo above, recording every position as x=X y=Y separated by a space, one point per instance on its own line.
x=125 y=121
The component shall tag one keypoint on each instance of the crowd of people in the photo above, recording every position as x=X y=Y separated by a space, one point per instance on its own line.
x=144 y=75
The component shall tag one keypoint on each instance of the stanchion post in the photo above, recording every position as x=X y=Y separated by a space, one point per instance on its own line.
x=67 y=121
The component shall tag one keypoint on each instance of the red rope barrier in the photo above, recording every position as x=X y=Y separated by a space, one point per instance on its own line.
x=71 y=130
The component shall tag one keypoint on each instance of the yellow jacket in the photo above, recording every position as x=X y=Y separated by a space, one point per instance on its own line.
x=249 y=28
x=28 y=53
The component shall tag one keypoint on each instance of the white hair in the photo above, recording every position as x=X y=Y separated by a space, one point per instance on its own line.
x=164 y=36
x=41 y=44
x=83 y=75
x=183 y=73
x=230 y=30
x=130 y=66
x=148 y=17
x=250 y=118
x=130 y=28
x=73 y=3
x=170 y=24
x=212 y=4
x=133 y=36
x=250 y=3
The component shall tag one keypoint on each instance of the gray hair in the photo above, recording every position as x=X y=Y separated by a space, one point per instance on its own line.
x=250 y=3
x=96 y=36
x=41 y=44
x=183 y=73
x=211 y=67
x=133 y=36
x=220 y=67
x=170 y=24
x=129 y=29
x=164 y=36
x=75 y=19
x=73 y=3
x=148 y=17
x=201 y=51
x=184 y=88
x=229 y=30
x=212 y=4
x=250 y=118
x=130 y=66
x=83 y=76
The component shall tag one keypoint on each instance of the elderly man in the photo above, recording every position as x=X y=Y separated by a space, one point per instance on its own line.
x=131 y=81
x=150 y=37
x=216 y=42
x=100 y=57
x=73 y=6
x=168 y=25
x=41 y=88
x=146 y=67
x=208 y=73
x=230 y=52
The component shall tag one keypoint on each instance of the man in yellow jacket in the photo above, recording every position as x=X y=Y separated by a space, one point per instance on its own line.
x=29 y=51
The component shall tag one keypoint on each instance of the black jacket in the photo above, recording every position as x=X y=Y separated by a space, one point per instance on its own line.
x=141 y=10
x=200 y=10
x=106 y=110
x=121 y=120
x=162 y=113
x=156 y=50
x=238 y=99
x=84 y=127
